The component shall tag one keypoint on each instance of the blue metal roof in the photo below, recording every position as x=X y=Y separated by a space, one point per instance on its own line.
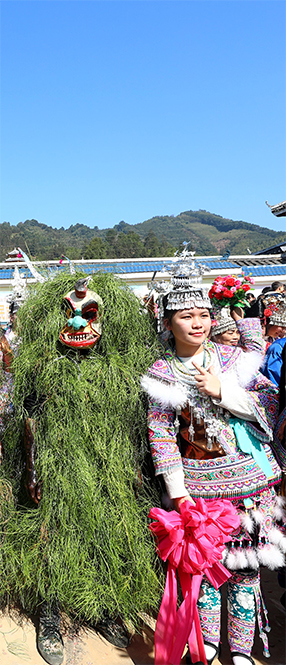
x=148 y=266
x=6 y=273
x=261 y=271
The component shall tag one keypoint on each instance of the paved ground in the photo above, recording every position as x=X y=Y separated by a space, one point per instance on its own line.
x=17 y=640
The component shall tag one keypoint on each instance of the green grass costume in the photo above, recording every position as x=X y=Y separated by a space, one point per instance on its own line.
x=87 y=543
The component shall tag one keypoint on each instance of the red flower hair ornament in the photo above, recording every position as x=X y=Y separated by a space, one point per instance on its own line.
x=193 y=543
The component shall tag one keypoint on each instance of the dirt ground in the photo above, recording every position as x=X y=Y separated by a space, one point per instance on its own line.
x=18 y=640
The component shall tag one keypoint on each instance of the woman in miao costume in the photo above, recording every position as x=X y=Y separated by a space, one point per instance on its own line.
x=211 y=415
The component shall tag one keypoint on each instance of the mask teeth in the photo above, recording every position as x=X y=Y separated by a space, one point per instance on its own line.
x=80 y=337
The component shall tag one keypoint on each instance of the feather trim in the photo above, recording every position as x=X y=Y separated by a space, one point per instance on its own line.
x=241 y=558
x=282 y=544
x=257 y=516
x=230 y=560
x=169 y=395
x=275 y=536
x=252 y=558
x=249 y=364
x=224 y=555
x=270 y=556
x=246 y=522
x=279 y=513
x=280 y=501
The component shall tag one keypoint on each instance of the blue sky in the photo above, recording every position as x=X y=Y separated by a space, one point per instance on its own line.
x=115 y=110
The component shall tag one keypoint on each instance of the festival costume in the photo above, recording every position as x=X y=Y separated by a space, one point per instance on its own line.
x=273 y=361
x=86 y=547
x=214 y=449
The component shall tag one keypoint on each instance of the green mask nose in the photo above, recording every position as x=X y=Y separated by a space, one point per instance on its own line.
x=77 y=321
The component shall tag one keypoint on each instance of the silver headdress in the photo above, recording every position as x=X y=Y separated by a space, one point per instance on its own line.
x=275 y=308
x=222 y=321
x=185 y=289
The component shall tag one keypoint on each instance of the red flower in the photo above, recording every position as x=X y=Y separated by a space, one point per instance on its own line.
x=245 y=287
x=227 y=293
x=267 y=312
x=230 y=281
x=219 y=296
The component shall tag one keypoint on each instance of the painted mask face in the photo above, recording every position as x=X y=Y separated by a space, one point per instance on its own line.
x=83 y=328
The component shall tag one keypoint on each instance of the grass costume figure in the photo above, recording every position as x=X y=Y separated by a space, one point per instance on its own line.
x=80 y=542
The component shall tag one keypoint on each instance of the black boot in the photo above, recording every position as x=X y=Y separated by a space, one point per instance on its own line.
x=114 y=632
x=49 y=640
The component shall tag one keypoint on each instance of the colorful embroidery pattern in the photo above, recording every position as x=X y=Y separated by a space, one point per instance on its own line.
x=231 y=476
x=162 y=438
x=209 y=607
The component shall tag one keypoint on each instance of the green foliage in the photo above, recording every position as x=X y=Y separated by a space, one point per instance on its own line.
x=96 y=249
x=210 y=235
x=88 y=542
x=126 y=243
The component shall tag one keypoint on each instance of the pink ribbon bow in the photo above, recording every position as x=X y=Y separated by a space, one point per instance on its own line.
x=193 y=542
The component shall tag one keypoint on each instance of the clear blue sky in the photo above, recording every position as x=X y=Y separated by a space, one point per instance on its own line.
x=114 y=110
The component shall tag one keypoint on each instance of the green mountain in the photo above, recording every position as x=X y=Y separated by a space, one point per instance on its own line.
x=209 y=234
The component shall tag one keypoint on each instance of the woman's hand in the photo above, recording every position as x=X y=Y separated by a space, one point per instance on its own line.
x=237 y=313
x=182 y=499
x=207 y=381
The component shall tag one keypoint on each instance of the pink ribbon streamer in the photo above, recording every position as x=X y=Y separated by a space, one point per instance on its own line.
x=193 y=543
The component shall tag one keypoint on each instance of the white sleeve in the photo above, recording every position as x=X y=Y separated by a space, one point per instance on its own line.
x=235 y=399
x=175 y=483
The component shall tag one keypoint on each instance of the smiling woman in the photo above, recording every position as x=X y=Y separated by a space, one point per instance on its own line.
x=190 y=327
x=210 y=421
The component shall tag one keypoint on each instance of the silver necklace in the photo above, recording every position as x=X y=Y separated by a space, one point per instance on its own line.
x=200 y=406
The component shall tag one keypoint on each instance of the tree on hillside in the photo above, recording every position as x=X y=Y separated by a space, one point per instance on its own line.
x=97 y=249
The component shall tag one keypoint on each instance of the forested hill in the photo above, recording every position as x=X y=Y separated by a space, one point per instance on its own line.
x=209 y=234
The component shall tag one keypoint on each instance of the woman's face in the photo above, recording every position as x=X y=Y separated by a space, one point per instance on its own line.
x=190 y=328
x=229 y=337
x=276 y=332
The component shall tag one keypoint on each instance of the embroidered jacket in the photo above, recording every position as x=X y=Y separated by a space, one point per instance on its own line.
x=246 y=394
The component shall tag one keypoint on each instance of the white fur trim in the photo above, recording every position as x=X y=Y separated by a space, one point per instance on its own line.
x=279 y=513
x=172 y=395
x=275 y=536
x=257 y=516
x=282 y=544
x=241 y=559
x=230 y=561
x=249 y=363
x=246 y=522
x=280 y=501
x=270 y=556
x=252 y=558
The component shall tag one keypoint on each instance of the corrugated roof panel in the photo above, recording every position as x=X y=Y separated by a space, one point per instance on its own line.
x=260 y=271
x=6 y=273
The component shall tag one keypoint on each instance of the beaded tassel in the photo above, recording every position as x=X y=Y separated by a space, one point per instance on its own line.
x=262 y=634
x=176 y=421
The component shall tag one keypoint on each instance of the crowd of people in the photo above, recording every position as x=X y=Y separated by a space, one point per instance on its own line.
x=73 y=430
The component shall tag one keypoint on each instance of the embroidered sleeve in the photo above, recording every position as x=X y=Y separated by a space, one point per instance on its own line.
x=264 y=396
x=163 y=441
x=251 y=337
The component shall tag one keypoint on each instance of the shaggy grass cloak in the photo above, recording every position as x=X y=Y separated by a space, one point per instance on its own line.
x=87 y=544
